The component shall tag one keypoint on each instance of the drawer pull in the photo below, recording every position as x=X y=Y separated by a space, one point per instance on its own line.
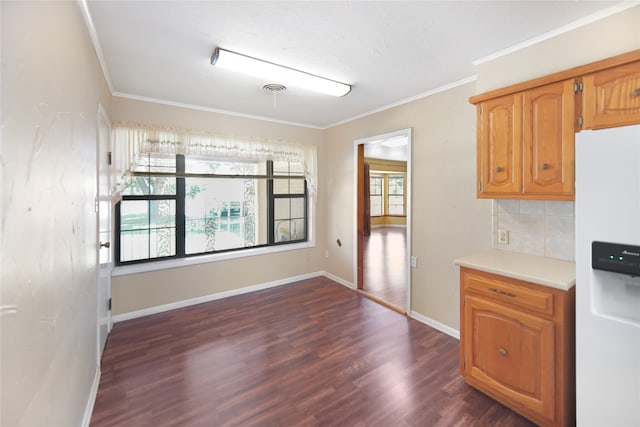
x=502 y=352
x=545 y=166
x=499 y=169
x=501 y=292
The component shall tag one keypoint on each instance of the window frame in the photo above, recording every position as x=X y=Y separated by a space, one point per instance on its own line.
x=180 y=217
x=372 y=195
x=389 y=178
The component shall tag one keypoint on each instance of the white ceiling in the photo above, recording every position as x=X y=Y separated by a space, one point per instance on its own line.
x=389 y=51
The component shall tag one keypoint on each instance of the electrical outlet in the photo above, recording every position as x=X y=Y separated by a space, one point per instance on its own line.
x=414 y=261
x=503 y=237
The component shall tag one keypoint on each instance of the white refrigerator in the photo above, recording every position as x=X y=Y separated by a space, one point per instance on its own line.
x=607 y=303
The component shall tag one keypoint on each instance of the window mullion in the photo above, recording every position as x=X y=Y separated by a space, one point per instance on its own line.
x=270 y=205
x=180 y=206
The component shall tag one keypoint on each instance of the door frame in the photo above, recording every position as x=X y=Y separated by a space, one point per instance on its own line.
x=103 y=201
x=358 y=207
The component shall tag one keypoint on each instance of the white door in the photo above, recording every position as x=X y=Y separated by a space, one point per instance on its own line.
x=104 y=229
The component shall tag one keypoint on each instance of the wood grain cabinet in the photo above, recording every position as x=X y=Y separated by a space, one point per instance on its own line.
x=526 y=132
x=526 y=144
x=611 y=97
x=549 y=141
x=500 y=146
x=517 y=345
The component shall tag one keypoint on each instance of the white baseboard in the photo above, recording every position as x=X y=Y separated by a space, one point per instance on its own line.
x=339 y=280
x=211 y=297
x=88 y=411
x=435 y=324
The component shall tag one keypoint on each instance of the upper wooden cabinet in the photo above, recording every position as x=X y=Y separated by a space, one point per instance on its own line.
x=526 y=132
x=526 y=144
x=612 y=97
x=500 y=146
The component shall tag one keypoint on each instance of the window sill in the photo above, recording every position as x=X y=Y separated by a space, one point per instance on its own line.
x=203 y=259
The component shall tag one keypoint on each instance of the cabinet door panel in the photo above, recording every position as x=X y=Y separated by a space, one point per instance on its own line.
x=612 y=97
x=510 y=355
x=499 y=147
x=548 y=138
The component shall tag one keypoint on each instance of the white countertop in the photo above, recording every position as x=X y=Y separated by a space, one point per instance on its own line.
x=550 y=272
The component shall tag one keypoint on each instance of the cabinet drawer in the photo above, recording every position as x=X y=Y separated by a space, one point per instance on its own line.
x=532 y=297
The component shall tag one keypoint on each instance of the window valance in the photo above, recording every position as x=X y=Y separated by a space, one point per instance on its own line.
x=132 y=141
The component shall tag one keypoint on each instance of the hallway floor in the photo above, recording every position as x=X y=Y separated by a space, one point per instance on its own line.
x=385 y=265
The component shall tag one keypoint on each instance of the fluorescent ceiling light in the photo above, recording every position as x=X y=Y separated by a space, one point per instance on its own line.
x=277 y=73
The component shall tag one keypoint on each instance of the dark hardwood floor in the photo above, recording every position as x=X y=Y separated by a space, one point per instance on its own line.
x=313 y=353
x=385 y=265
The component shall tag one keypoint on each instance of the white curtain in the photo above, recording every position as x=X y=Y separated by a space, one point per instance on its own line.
x=130 y=140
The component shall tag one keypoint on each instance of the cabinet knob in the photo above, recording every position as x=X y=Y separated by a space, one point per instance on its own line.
x=105 y=244
x=545 y=166
x=502 y=352
x=499 y=169
x=636 y=92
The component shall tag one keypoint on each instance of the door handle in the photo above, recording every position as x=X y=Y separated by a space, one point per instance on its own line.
x=105 y=244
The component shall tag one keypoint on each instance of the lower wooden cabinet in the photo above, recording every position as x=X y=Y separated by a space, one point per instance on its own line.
x=517 y=345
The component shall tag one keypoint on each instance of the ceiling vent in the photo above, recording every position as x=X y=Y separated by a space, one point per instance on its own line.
x=274 y=88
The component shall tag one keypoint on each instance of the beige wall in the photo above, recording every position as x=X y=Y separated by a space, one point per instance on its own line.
x=448 y=221
x=539 y=227
x=145 y=290
x=51 y=86
x=602 y=39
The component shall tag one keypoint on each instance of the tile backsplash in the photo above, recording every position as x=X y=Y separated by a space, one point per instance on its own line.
x=544 y=228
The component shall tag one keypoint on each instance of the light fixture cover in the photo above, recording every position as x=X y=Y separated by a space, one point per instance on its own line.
x=255 y=67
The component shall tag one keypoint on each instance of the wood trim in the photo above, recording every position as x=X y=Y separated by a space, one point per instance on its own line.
x=381 y=302
x=520 y=196
x=360 y=215
x=571 y=73
x=366 y=200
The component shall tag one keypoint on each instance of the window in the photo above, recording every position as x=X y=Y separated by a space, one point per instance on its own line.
x=177 y=206
x=375 y=194
x=395 y=194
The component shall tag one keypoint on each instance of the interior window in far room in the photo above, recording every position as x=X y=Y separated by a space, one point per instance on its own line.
x=375 y=183
x=395 y=192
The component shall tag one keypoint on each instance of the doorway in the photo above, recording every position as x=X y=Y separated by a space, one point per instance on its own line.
x=383 y=218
